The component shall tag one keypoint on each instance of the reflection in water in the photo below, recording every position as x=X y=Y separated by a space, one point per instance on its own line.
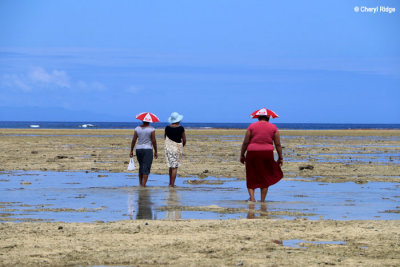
x=251 y=213
x=172 y=201
x=144 y=205
x=131 y=207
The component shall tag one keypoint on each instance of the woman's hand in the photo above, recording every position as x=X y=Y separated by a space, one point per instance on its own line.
x=155 y=155
x=278 y=147
x=131 y=154
x=246 y=142
x=242 y=159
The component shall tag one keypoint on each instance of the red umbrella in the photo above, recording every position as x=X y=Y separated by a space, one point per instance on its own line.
x=263 y=112
x=147 y=116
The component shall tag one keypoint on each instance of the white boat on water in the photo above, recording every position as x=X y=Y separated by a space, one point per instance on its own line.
x=87 y=125
x=34 y=126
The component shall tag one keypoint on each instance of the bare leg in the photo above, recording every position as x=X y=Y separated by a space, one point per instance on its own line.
x=264 y=192
x=251 y=194
x=144 y=181
x=172 y=176
x=141 y=179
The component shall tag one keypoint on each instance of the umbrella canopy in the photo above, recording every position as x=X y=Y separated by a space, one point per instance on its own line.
x=147 y=116
x=263 y=112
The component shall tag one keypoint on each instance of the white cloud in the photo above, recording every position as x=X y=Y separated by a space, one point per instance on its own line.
x=39 y=75
x=54 y=78
x=41 y=79
x=16 y=81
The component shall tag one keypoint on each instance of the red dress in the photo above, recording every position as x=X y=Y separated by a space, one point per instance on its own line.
x=262 y=170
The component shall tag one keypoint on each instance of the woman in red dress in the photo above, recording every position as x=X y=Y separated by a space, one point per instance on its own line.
x=257 y=153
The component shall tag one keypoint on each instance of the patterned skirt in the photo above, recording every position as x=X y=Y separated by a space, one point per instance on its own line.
x=173 y=153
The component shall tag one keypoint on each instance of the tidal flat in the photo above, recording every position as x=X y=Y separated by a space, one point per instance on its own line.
x=337 y=205
x=318 y=155
x=201 y=243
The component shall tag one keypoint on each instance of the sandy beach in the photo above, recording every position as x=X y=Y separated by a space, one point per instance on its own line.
x=334 y=156
x=201 y=243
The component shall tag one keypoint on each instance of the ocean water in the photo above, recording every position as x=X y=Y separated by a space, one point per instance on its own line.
x=197 y=125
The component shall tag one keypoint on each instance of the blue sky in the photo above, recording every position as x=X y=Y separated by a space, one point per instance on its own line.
x=213 y=61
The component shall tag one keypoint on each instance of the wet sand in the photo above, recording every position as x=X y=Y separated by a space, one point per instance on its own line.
x=324 y=156
x=201 y=243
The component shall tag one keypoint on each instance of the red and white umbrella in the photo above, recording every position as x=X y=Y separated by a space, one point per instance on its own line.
x=263 y=112
x=147 y=116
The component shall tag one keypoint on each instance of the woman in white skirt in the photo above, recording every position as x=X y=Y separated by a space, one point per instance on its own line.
x=175 y=140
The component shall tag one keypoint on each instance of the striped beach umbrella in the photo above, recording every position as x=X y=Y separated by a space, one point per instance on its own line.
x=147 y=116
x=263 y=112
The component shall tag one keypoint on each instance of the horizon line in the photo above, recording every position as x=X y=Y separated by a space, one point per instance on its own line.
x=94 y=121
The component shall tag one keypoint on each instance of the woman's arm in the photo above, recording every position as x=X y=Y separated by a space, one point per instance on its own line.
x=133 y=143
x=153 y=140
x=183 y=139
x=245 y=144
x=278 y=147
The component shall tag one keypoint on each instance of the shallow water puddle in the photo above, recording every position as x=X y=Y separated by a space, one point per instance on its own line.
x=382 y=158
x=295 y=243
x=101 y=196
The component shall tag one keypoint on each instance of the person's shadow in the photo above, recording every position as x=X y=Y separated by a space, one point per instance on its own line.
x=173 y=213
x=144 y=210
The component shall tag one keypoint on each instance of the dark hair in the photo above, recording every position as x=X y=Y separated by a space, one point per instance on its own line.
x=263 y=118
x=146 y=123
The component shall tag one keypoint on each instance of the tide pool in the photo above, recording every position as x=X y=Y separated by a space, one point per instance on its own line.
x=101 y=196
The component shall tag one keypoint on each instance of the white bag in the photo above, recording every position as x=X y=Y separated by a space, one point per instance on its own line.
x=131 y=166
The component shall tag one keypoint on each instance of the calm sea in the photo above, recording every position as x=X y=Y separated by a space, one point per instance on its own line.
x=131 y=125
